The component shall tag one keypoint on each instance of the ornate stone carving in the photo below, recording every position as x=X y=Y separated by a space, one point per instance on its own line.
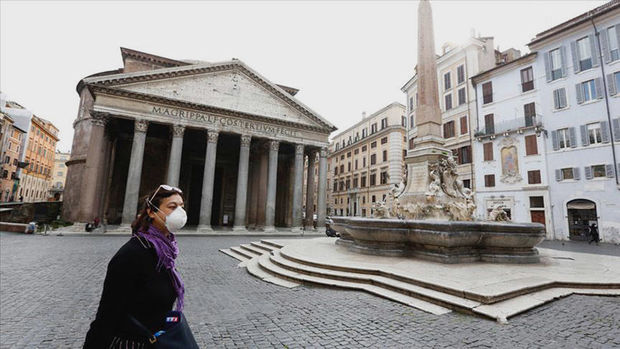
x=246 y=140
x=99 y=119
x=141 y=125
x=446 y=197
x=299 y=149
x=274 y=145
x=498 y=214
x=323 y=152
x=380 y=210
x=178 y=130
x=212 y=136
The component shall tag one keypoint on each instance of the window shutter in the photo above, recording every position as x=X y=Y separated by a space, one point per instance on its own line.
x=579 y=91
x=563 y=103
x=588 y=172
x=547 y=66
x=605 y=45
x=554 y=140
x=604 y=131
x=585 y=140
x=556 y=99
x=563 y=60
x=609 y=170
x=616 y=125
x=573 y=137
x=594 y=50
x=611 y=83
x=573 y=51
x=558 y=175
x=598 y=83
x=617 y=35
x=576 y=174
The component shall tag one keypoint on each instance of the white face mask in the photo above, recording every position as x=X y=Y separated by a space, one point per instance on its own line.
x=175 y=220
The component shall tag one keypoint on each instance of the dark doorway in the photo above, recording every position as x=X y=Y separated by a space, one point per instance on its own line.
x=192 y=169
x=581 y=214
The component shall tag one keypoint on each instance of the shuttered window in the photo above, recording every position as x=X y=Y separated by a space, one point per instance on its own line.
x=527 y=79
x=489 y=124
x=559 y=98
x=460 y=74
x=448 y=101
x=529 y=111
x=531 y=146
x=447 y=84
x=488 y=151
x=448 y=129
x=489 y=181
x=487 y=92
x=462 y=98
x=463 y=122
x=533 y=177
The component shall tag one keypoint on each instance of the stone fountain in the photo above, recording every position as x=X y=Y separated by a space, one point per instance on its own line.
x=430 y=213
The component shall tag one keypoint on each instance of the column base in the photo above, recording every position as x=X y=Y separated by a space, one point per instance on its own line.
x=204 y=229
x=240 y=228
x=269 y=229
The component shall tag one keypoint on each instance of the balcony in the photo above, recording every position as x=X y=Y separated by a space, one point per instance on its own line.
x=508 y=127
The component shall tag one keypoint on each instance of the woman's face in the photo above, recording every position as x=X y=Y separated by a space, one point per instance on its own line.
x=166 y=206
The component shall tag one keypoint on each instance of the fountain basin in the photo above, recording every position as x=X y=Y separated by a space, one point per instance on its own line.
x=442 y=241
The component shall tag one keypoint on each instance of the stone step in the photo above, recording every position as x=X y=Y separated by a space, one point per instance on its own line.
x=242 y=252
x=272 y=243
x=234 y=254
x=253 y=250
x=254 y=269
x=262 y=246
x=407 y=289
x=269 y=266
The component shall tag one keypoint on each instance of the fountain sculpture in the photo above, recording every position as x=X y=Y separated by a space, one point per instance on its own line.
x=431 y=214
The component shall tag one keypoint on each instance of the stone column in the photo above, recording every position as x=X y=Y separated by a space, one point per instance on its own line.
x=204 y=222
x=310 y=190
x=242 y=183
x=176 y=150
x=298 y=187
x=132 y=189
x=322 y=191
x=93 y=170
x=270 y=207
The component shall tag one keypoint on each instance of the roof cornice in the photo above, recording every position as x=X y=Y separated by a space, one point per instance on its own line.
x=366 y=119
x=112 y=91
x=150 y=58
x=530 y=57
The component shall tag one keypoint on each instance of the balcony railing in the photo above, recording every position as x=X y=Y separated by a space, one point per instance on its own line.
x=510 y=126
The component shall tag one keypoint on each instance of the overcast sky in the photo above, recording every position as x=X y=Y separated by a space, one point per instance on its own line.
x=346 y=57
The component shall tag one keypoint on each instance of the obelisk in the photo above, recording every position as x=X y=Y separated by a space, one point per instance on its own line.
x=429 y=144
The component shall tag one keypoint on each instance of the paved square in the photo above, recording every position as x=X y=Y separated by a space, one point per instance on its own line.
x=50 y=288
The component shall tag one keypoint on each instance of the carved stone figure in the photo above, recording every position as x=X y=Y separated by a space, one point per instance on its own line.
x=498 y=214
x=380 y=210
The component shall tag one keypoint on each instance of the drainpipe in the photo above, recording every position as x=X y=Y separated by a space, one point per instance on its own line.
x=605 y=93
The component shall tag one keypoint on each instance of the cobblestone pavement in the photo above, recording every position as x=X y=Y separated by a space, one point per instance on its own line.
x=50 y=288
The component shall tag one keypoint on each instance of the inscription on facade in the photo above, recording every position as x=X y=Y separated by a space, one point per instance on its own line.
x=225 y=122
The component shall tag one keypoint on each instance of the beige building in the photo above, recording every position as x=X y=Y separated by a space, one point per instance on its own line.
x=59 y=175
x=455 y=66
x=40 y=149
x=365 y=160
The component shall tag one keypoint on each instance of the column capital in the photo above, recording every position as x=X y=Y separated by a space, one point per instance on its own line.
x=141 y=125
x=274 y=145
x=323 y=152
x=99 y=119
x=246 y=140
x=178 y=130
x=299 y=149
x=212 y=136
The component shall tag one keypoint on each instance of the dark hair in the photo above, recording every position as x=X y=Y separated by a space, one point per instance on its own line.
x=143 y=222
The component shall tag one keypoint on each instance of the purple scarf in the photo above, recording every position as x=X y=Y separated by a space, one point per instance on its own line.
x=167 y=251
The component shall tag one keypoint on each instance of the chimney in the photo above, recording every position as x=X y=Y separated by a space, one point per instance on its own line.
x=363 y=115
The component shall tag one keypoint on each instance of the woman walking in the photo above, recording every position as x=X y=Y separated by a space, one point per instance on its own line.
x=142 y=282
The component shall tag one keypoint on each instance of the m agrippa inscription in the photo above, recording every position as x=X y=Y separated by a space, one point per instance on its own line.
x=232 y=124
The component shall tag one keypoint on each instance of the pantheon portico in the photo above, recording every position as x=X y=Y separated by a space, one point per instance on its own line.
x=233 y=141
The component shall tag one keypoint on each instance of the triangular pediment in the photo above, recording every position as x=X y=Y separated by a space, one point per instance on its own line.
x=229 y=89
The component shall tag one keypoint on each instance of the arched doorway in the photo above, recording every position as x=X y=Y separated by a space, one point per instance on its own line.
x=581 y=214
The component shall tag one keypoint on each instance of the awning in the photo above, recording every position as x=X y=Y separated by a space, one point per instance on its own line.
x=581 y=205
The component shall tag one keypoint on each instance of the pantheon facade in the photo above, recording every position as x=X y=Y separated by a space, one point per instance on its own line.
x=231 y=140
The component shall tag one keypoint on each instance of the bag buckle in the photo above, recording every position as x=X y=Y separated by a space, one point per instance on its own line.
x=153 y=339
